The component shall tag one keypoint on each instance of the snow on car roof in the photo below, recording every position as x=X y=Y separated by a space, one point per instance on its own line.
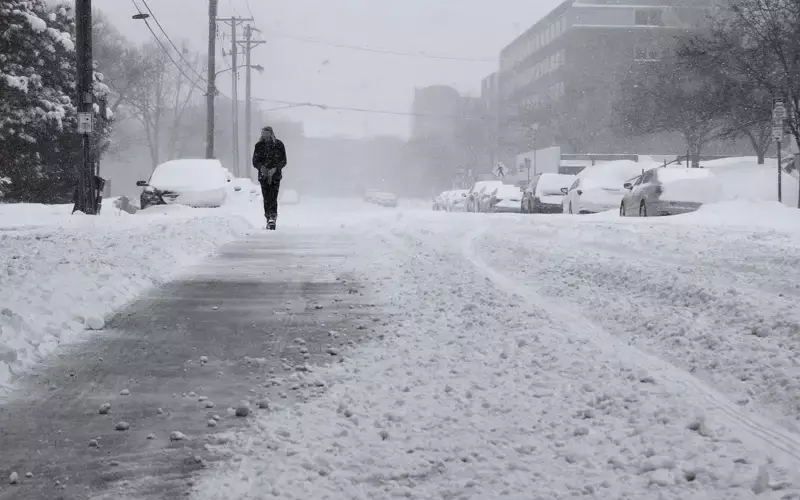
x=199 y=174
x=550 y=184
x=671 y=174
x=613 y=173
x=508 y=190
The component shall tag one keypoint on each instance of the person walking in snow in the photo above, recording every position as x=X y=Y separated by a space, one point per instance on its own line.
x=269 y=158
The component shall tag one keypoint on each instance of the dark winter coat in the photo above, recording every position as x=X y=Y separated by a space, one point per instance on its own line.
x=269 y=154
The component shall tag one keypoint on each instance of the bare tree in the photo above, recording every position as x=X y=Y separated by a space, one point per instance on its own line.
x=760 y=40
x=161 y=99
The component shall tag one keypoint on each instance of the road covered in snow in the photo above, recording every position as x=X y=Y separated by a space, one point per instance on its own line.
x=505 y=356
x=555 y=357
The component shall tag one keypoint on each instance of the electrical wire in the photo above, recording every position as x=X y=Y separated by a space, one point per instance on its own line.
x=295 y=104
x=179 y=52
x=379 y=51
x=167 y=52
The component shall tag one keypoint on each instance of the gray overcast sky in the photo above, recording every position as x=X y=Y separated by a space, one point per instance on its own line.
x=295 y=70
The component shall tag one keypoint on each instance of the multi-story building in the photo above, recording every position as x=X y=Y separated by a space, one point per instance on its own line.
x=558 y=81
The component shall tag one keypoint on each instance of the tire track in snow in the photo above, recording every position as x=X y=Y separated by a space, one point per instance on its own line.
x=754 y=430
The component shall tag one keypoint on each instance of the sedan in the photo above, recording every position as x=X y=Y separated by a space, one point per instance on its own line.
x=195 y=183
x=669 y=191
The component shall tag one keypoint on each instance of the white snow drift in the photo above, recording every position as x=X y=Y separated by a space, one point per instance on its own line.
x=61 y=275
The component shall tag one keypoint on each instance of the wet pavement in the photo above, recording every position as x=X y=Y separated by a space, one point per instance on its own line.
x=243 y=310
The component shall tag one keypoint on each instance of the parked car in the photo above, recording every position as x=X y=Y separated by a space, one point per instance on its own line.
x=544 y=193
x=669 y=191
x=457 y=201
x=600 y=188
x=440 y=202
x=370 y=194
x=506 y=199
x=478 y=196
x=384 y=199
x=196 y=183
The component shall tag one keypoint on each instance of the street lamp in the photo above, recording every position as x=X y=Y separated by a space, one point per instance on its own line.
x=141 y=16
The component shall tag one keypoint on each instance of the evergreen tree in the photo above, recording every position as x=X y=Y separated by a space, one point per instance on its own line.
x=39 y=149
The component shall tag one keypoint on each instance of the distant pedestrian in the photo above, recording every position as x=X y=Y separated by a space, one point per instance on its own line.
x=269 y=158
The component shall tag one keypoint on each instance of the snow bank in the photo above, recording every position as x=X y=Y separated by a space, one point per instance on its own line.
x=744 y=179
x=61 y=275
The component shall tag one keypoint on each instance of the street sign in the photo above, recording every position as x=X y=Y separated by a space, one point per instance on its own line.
x=500 y=170
x=779 y=110
x=85 y=123
x=521 y=168
x=777 y=133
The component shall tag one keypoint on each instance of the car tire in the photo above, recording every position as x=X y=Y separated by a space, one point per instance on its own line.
x=643 y=210
x=622 y=210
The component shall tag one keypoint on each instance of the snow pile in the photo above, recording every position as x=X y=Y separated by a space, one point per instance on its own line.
x=743 y=178
x=62 y=274
x=475 y=392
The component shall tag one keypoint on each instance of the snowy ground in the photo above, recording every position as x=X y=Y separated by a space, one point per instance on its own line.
x=552 y=357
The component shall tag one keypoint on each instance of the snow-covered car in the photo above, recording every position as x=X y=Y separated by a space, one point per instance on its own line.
x=669 y=191
x=457 y=200
x=370 y=194
x=195 y=183
x=289 y=197
x=506 y=199
x=600 y=188
x=384 y=199
x=440 y=201
x=477 y=197
x=544 y=193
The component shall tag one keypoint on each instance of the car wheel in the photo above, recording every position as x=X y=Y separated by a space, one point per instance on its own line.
x=622 y=210
x=643 y=210
x=570 y=208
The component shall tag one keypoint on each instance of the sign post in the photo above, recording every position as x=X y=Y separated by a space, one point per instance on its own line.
x=778 y=116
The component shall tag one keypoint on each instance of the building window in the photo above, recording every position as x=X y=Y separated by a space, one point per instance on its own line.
x=648 y=17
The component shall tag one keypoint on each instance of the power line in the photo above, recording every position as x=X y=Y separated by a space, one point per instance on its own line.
x=247 y=3
x=166 y=51
x=169 y=55
x=380 y=51
x=295 y=104
x=180 y=53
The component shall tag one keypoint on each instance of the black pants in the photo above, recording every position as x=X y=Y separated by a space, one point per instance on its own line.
x=270 y=194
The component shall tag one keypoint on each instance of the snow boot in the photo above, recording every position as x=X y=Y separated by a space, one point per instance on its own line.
x=271 y=224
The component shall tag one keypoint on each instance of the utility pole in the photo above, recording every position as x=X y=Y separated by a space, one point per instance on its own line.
x=234 y=23
x=235 y=98
x=86 y=190
x=211 y=90
x=248 y=45
x=778 y=116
